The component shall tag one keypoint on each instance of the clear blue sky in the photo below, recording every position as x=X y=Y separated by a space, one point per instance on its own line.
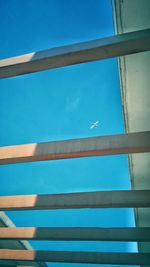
x=60 y=104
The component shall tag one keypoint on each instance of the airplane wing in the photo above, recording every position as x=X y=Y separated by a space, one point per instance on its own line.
x=92 y=126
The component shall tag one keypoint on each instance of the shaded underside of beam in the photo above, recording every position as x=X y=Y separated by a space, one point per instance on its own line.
x=75 y=148
x=119 y=45
x=10 y=263
x=100 y=199
x=76 y=234
x=76 y=257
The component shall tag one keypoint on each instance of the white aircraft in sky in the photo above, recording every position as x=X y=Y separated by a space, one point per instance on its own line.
x=94 y=125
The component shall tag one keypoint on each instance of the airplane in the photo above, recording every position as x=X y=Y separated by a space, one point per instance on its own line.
x=94 y=125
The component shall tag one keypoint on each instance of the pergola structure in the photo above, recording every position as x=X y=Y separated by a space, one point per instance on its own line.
x=118 y=45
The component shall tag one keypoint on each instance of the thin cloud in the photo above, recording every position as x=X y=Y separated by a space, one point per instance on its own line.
x=72 y=105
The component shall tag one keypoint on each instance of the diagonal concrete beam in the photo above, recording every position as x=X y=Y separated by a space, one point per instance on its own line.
x=76 y=257
x=119 y=45
x=102 y=199
x=76 y=233
x=84 y=147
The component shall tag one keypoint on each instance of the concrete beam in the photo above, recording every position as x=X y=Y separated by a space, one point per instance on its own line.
x=84 y=147
x=119 y=45
x=13 y=264
x=9 y=263
x=102 y=199
x=76 y=257
x=76 y=234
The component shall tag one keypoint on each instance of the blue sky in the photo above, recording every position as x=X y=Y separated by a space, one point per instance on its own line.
x=61 y=104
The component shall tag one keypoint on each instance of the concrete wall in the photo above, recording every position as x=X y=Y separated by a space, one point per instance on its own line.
x=134 y=71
